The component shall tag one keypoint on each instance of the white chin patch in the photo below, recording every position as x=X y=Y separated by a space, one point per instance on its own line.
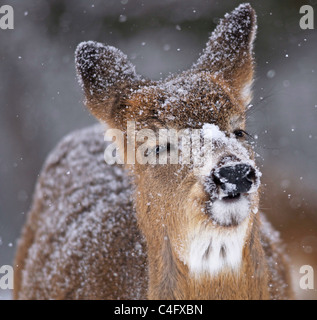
x=229 y=213
x=218 y=247
x=215 y=250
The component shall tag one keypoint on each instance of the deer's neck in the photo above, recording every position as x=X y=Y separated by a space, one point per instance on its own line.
x=170 y=278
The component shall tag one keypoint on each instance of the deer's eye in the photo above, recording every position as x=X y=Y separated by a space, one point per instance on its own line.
x=161 y=148
x=239 y=133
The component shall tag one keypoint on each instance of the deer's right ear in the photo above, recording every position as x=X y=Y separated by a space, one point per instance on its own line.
x=106 y=76
x=229 y=51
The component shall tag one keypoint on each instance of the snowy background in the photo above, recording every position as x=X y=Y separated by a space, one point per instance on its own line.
x=41 y=100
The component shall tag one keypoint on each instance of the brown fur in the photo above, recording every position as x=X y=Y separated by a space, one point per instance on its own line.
x=167 y=197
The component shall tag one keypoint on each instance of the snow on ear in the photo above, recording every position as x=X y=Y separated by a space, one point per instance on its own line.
x=105 y=75
x=229 y=51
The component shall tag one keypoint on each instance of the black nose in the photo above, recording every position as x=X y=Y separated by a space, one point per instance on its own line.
x=235 y=179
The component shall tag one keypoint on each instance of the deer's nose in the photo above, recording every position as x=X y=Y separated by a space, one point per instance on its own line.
x=236 y=179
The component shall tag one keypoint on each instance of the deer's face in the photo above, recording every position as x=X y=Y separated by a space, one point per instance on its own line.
x=182 y=199
x=224 y=184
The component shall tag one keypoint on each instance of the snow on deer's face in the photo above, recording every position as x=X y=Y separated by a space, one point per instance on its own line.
x=195 y=102
x=185 y=203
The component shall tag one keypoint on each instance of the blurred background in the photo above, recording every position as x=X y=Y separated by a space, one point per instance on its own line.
x=41 y=101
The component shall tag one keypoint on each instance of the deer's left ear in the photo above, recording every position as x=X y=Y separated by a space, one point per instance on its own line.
x=229 y=51
x=107 y=77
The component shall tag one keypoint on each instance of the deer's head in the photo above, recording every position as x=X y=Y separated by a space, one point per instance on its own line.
x=201 y=212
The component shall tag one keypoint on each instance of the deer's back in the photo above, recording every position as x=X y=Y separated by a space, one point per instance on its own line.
x=81 y=239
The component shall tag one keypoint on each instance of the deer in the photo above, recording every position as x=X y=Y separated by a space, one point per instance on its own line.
x=156 y=231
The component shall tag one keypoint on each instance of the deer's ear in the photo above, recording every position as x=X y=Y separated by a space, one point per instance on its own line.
x=106 y=76
x=229 y=51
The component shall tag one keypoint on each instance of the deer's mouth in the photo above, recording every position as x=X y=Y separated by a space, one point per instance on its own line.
x=231 y=198
x=230 y=188
x=229 y=209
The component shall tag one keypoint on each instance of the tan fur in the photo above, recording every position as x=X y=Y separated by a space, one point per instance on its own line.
x=168 y=198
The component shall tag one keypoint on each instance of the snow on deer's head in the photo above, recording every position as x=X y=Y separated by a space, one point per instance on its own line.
x=199 y=213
